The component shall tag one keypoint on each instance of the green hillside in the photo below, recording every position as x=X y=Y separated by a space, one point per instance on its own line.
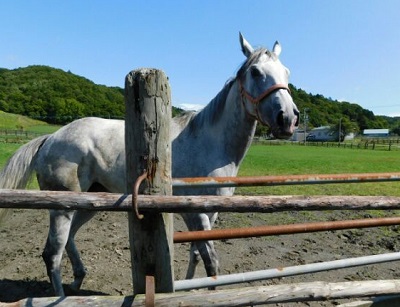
x=58 y=97
x=10 y=121
x=19 y=129
x=323 y=111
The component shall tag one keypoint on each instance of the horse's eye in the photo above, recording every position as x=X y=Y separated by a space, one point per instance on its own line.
x=255 y=72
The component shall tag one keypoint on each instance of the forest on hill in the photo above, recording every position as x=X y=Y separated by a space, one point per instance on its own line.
x=58 y=97
x=322 y=111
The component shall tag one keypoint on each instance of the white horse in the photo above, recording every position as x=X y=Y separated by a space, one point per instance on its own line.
x=89 y=155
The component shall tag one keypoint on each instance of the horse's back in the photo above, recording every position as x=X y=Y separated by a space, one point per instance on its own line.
x=89 y=154
x=83 y=153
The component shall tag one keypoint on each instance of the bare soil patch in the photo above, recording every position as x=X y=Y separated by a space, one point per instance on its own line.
x=104 y=247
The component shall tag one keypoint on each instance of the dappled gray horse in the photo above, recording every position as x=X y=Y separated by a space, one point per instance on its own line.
x=89 y=155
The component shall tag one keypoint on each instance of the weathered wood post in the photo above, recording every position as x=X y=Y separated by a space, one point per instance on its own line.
x=148 y=149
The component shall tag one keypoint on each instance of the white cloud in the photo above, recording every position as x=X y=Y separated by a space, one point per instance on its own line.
x=347 y=100
x=190 y=106
x=11 y=58
x=393 y=114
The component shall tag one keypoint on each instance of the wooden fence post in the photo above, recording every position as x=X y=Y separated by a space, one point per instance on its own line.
x=148 y=148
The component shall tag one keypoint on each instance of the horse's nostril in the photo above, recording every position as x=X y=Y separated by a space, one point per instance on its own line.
x=297 y=113
x=280 y=121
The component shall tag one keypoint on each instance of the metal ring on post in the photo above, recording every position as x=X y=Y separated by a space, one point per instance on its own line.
x=135 y=194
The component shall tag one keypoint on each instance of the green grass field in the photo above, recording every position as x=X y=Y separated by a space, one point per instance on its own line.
x=6 y=150
x=263 y=160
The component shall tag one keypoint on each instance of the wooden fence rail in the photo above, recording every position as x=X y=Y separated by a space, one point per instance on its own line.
x=17 y=136
x=31 y=199
x=250 y=296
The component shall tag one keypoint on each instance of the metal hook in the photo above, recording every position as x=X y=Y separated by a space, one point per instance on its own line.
x=135 y=194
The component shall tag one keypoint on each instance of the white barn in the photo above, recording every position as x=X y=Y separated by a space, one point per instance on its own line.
x=374 y=133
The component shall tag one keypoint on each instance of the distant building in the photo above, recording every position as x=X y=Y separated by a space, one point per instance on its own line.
x=322 y=134
x=298 y=135
x=376 y=133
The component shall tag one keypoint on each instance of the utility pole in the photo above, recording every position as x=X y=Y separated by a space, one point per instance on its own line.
x=305 y=118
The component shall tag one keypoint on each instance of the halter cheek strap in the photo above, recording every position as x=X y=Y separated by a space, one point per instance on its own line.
x=255 y=101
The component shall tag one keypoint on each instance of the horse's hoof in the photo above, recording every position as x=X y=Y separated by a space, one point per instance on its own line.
x=74 y=287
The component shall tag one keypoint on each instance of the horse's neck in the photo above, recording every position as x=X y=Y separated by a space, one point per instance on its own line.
x=238 y=125
x=232 y=127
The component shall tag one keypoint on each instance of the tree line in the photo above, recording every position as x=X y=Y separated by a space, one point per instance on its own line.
x=58 y=97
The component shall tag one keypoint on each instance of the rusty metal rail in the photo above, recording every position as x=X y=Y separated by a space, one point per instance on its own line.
x=213 y=182
x=235 y=233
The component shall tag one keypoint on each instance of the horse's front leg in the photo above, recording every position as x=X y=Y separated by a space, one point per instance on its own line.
x=60 y=224
x=80 y=218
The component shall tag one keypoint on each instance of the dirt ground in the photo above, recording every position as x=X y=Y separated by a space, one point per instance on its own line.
x=104 y=247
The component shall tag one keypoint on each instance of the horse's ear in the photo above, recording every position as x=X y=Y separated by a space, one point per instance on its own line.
x=277 y=49
x=246 y=47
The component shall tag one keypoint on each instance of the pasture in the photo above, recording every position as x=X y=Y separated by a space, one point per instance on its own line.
x=295 y=160
x=264 y=160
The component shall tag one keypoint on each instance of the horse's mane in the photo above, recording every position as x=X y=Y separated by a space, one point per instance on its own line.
x=211 y=113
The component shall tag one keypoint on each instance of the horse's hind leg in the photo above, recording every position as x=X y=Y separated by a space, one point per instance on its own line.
x=193 y=261
x=80 y=218
x=60 y=223
x=200 y=221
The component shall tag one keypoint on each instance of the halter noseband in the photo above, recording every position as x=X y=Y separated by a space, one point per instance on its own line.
x=256 y=100
x=264 y=94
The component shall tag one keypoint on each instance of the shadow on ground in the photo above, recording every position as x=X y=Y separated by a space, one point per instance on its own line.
x=15 y=290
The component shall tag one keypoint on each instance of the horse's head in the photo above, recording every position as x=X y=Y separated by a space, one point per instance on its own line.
x=264 y=89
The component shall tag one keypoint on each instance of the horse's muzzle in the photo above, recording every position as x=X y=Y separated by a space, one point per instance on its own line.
x=286 y=124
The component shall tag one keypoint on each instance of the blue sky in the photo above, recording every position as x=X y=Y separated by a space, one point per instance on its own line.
x=344 y=49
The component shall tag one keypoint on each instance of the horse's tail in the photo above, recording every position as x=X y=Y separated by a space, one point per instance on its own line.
x=19 y=168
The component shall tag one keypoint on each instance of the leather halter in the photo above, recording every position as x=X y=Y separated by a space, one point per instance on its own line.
x=255 y=101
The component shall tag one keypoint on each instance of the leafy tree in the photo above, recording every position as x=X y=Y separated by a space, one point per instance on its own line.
x=396 y=130
x=343 y=127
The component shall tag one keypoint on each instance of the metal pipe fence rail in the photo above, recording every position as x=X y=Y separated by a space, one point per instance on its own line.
x=202 y=182
x=224 y=280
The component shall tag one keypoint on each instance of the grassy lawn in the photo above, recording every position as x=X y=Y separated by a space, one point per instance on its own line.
x=263 y=160
x=43 y=129
x=6 y=150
